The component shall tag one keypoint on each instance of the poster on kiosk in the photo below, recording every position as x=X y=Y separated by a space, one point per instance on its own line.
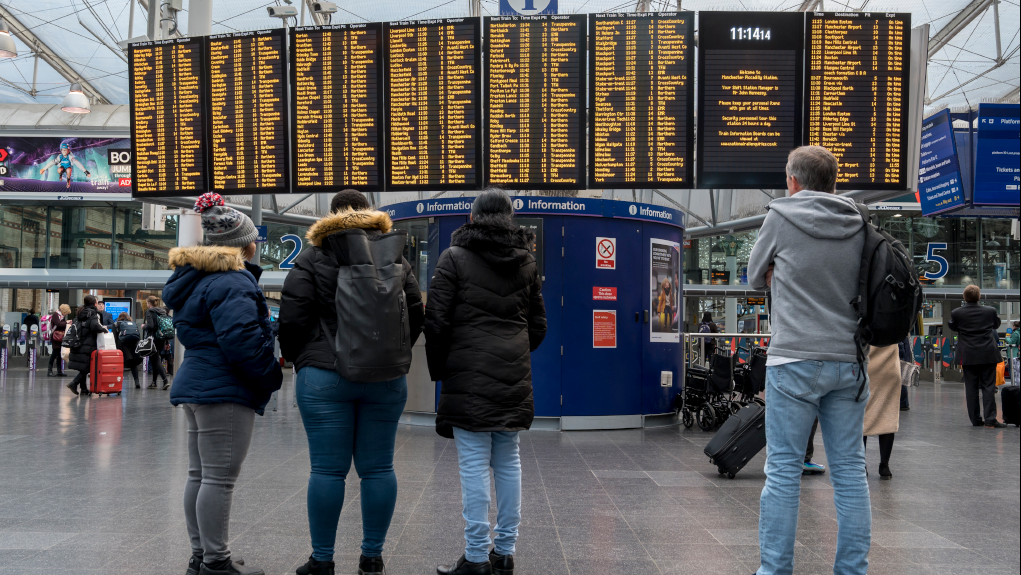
x=665 y=291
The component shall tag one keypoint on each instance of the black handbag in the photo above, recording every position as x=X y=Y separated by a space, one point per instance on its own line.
x=146 y=347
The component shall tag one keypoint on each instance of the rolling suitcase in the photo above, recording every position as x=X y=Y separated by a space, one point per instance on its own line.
x=107 y=371
x=739 y=439
x=1010 y=398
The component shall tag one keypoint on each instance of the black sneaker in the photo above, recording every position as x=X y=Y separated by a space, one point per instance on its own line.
x=72 y=387
x=995 y=424
x=463 y=567
x=231 y=568
x=371 y=566
x=152 y=385
x=194 y=564
x=502 y=564
x=314 y=567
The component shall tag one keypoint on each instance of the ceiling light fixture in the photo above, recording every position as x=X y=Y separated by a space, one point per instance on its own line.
x=75 y=102
x=7 y=47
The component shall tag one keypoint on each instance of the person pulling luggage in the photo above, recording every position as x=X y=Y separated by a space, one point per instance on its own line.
x=83 y=344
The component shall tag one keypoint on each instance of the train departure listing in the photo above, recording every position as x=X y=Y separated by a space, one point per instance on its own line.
x=167 y=117
x=336 y=76
x=750 y=72
x=641 y=77
x=433 y=78
x=247 y=116
x=535 y=101
x=856 y=95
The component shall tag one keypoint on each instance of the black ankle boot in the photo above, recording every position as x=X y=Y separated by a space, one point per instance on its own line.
x=314 y=567
x=371 y=566
x=884 y=472
x=194 y=565
x=49 y=373
x=463 y=567
x=502 y=564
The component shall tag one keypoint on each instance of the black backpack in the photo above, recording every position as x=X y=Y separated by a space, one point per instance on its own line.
x=128 y=332
x=889 y=293
x=73 y=335
x=373 y=339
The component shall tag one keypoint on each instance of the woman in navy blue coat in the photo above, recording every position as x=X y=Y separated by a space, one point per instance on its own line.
x=227 y=376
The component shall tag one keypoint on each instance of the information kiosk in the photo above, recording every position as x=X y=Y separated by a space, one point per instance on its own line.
x=611 y=283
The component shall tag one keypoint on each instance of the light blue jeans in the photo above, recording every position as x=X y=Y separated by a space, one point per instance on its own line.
x=476 y=453
x=797 y=393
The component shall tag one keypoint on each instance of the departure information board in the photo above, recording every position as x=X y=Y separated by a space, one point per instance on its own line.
x=168 y=125
x=433 y=72
x=750 y=68
x=247 y=114
x=641 y=75
x=337 y=83
x=856 y=95
x=535 y=101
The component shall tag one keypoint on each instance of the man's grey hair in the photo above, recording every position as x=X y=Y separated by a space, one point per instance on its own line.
x=814 y=167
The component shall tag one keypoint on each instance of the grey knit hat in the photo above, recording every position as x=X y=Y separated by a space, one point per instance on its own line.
x=223 y=226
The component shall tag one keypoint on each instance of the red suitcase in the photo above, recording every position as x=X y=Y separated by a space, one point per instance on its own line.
x=107 y=373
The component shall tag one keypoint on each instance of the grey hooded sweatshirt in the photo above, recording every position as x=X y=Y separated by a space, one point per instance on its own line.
x=815 y=241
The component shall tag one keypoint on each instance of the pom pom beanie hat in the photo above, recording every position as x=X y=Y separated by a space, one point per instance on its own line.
x=223 y=226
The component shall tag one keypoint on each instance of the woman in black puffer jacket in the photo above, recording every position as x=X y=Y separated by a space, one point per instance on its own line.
x=81 y=357
x=484 y=317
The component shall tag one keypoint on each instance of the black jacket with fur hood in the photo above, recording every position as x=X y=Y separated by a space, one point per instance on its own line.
x=484 y=317
x=310 y=286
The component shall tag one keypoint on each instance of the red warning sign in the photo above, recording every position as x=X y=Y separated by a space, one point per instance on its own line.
x=606 y=253
x=604 y=329
x=604 y=293
x=3 y=155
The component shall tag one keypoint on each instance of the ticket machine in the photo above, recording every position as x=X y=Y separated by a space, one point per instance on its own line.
x=5 y=346
x=33 y=347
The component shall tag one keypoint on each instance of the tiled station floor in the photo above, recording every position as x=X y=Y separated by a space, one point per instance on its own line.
x=93 y=486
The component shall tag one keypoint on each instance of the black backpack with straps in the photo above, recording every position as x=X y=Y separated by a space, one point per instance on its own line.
x=889 y=293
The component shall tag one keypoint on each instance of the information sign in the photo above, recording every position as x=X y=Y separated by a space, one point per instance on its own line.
x=248 y=121
x=168 y=127
x=606 y=253
x=527 y=7
x=750 y=67
x=998 y=156
x=337 y=81
x=535 y=101
x=641 y=74
x=604 y=329
x=939 y=171
x=856 y=95
x=433 y=83
x=604 y=293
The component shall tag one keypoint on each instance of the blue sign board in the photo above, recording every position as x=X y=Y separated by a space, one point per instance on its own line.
x=538 y=205
x=939 y=173
x=263 y=233
x=998 y=156
x=527 y=7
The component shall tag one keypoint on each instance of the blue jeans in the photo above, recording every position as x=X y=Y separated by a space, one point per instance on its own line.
x=476 y=453
x=797 y=393
x=345 y=419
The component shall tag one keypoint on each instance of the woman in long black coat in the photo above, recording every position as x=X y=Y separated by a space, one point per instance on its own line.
x=484 y=317
x=81 y=357
x=128 y=347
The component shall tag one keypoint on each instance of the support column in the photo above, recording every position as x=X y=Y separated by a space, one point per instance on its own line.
x=200 y=17
x=257 y=220
x=731 y=303
x=189 y=233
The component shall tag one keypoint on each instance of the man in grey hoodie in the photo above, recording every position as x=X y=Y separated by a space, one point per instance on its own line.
x=808 y=254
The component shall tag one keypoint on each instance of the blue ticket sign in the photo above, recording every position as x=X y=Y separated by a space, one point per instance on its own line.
x=527 y=7
x=939 y=173
x=998 y=156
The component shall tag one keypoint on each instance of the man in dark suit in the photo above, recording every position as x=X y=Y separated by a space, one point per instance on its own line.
x=978 y=353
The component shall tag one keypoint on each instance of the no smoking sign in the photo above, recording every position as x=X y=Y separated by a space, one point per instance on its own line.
x=606 y=253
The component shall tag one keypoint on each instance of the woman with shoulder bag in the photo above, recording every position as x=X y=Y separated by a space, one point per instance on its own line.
x=126 y=334
x=882 y=412
x=58 y=327
x=154 y=311
x=80 y=358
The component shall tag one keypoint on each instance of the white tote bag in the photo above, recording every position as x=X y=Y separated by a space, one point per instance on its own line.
x=106 y=341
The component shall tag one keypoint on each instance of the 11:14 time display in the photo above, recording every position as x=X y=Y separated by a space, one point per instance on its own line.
x=749 y=34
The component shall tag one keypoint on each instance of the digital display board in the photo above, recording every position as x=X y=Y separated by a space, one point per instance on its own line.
x=433 y=73
x=641 y=80
x=168 y=122
x=535 y=101
x=856 y=95
x=69 y=167
x=247 y=112
x=998 y=156
x=750 y=67
x=337 y=89
x=939 y=173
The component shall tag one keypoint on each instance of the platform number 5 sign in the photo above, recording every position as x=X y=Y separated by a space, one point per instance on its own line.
x=930 y=256
x=606 y=253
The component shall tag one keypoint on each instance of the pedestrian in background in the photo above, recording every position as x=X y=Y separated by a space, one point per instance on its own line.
x=105 y=317
x=227 y=376
x=153 y=312
x=882 y=414
x=127 y=336
x=807 y=254
x=80 y=358
x=58 y=328
x=343 y=419
x=484 y=318
x=978 y=353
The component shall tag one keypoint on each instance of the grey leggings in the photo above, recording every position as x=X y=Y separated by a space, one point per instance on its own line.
x=219 y=436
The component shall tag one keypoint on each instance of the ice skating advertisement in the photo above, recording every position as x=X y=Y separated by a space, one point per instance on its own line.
x=65 y=166
x=665 y=291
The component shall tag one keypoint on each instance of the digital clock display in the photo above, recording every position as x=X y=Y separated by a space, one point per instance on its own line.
x=755 y=33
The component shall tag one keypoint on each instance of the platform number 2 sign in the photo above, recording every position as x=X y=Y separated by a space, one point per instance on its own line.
x=288 y=262
x=930 y=256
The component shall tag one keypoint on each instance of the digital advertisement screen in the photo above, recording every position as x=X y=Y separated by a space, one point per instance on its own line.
x=750 y=67
x=939 y=173
x=856 y=98
x=433 y=83
x=998 y=156
x=65 y=166
x=535 y=101
x=641 y=87
x=116 y=306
